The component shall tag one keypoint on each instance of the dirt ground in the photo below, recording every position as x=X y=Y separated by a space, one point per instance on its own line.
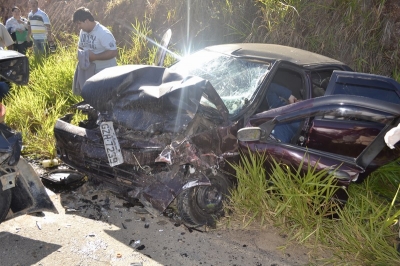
x=94 y=227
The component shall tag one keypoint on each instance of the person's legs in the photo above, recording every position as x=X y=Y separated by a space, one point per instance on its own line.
x=274 y=94
x=21 y=48
x=39 y=47
x=285 y=132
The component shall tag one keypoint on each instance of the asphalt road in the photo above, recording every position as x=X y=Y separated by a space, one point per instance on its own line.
x=94 y=227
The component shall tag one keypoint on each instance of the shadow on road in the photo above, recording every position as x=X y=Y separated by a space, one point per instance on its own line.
x=22 y=250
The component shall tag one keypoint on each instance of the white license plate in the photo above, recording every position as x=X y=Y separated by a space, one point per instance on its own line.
x=111 y=144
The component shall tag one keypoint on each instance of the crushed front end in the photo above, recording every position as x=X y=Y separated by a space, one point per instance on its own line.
x=172 y=132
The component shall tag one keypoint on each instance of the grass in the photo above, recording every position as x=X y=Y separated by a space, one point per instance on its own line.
x=138 y=53
x=33 y=109
x=363 y=232
x=357 y=32
x=366 y=229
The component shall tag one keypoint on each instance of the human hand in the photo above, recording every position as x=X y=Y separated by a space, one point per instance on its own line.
x=292 y=99
x=92 y=56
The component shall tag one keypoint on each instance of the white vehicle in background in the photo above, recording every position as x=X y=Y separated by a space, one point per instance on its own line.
x=21 y=190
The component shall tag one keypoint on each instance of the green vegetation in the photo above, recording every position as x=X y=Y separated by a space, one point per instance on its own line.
x=299 y=203
x=361 y=33
x=357 y=32
x=33 y=109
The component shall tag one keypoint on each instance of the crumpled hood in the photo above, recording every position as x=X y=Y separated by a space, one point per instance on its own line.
x=145 y=97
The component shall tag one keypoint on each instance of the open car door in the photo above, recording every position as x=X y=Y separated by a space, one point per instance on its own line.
x=345 y=133
x=350 y=135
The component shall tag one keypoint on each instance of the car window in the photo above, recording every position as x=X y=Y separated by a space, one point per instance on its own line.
x=320 y=81
x=370 y=92
x=236 y=80
x=345 y=132
x=366 y=85
x=292 y=80
x=287 y=78
x=348 y=138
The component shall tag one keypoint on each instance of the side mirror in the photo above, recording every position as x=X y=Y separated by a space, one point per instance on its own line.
x=162 y=48
x=249 y=134
x=14 y=67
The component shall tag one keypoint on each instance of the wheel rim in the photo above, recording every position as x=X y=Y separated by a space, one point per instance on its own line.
x=209 y=198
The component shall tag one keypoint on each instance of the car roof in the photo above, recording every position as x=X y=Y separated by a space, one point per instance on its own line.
x=275 y=52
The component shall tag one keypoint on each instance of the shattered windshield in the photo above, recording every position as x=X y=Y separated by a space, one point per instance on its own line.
x=234 y=79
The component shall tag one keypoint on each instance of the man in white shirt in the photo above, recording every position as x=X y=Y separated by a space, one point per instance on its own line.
x=40 y=28
x=96 y=39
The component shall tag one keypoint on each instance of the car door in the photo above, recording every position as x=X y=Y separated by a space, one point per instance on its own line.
x=350 y=136
x=359 y=143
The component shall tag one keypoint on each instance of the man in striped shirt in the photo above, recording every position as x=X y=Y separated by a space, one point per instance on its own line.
x=40 y=28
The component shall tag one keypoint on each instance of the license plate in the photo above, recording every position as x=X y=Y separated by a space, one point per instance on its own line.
x=111 y=144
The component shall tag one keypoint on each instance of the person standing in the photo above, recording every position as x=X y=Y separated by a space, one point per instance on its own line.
x=40 y=28
x=96 y=40
x=5 y=38
x=19 y=26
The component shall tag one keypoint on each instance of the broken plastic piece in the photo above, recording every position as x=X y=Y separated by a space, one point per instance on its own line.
x=50 y=163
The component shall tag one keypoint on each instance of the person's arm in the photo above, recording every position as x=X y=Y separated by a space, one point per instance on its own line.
x=10 y=25
x=49 y=34
x=283 y=92
x=46 y=22
x=110 y=46
x=275 y=92
x=29 y=36
x=103 y=56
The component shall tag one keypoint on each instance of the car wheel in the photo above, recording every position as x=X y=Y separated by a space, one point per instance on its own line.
x=203 y=205
x=5 y=201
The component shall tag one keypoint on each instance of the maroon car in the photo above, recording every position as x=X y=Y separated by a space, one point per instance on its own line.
x=166 y=135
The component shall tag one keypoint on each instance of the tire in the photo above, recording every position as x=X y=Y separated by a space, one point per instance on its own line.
x=5 y=202
x=203 y=205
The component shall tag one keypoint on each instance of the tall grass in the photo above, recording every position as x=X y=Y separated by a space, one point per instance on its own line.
x=138 y=52
x=366 y=231
x=301 y=203
x=297 y=199
x=33 y=109
x=357 y=32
